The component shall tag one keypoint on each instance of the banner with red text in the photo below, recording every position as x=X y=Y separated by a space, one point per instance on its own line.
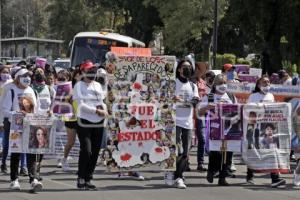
x=142 y=117
x=267 y=137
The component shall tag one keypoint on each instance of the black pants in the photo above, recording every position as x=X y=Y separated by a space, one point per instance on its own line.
x=90 y=139
x=250 y=175
x=181 y=165
x=32 y=160
x=215 y=163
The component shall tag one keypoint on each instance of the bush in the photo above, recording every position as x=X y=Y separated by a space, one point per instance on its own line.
x=242 y=61
x=289 y=67
x=222 y=59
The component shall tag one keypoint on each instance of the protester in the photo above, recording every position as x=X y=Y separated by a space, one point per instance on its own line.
x=261 y=94
x=6 y=126
x=186 y=97
x=21 y=88
x=91 y=114
x=70 y=121
x=284 y=78
x=201 y=68
x=218 y=94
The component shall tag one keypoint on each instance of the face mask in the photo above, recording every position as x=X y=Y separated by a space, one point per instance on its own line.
x=265 y=90
x=5 y=77
x=221 y=88
x=90 y=75
x=230 y=75
x=187 y=73
x=39 y=77
x=25 y=81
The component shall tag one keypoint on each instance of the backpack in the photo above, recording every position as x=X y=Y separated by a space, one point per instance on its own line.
x=294 y=81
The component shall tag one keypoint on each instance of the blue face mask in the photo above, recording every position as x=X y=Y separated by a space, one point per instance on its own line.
x=230 y=75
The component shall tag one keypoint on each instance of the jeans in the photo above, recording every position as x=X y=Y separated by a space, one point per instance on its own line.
x=183 y=139
x=5 y=145
x=201 y=141
x=90 y=141
x=32 y=160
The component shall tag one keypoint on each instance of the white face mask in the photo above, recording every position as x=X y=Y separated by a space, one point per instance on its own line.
x=25 y=81
x=266 y=89
x=221 y=88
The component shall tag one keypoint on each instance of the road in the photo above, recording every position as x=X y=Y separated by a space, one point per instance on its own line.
x=61 y=185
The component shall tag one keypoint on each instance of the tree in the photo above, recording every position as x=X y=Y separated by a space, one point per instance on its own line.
x=186 y=22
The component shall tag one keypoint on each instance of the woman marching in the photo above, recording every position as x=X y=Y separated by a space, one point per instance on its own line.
x=217 y=163
x=91 y=115
x=21 y=98
x=261 y=94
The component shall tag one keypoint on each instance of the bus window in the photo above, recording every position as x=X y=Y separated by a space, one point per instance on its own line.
x=94 y=49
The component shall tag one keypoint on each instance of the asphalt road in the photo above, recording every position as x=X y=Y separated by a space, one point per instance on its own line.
x=61 y=185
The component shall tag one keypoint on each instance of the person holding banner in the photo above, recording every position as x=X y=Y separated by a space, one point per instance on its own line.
x=91 y=114
x=70 y=121
x=21 y=98
x=261 y=94
x=5 y=78
x=186 y=98
x=219 y=161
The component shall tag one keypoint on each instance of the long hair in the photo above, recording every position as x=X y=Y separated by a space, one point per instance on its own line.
x=257 y=89
x=21 y=105
x=180 y=64
x=34 y=143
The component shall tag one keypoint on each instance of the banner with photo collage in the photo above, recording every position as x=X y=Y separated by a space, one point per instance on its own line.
x=267 y=137
x=142 y=116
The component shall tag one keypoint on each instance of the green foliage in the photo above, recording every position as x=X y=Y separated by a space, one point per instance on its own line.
x=243 y=61
x=289 y=67
x=223 y=59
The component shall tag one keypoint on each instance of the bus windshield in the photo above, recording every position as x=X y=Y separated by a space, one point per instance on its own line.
x=94 y=49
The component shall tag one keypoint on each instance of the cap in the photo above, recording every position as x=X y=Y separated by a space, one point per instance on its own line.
x=227 y=66
x=22 y=72
x=86 y=65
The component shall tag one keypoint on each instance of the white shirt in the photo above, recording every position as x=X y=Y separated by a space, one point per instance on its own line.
x=4 y=86
x=8 y=106
x=184 y=114
x=288 y=81
x=44 y=101
x=258 y=97
x=89 y=96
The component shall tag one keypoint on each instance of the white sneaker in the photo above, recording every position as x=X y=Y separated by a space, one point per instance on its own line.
x=296 y=179
x=180 y=183
x=136 y=176
x=169 y=178
x=232 y=167
x=15 y=185
x=65 y=165
x=36 y=185
x=59 y=163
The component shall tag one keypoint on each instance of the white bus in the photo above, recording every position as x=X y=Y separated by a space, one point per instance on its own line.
x=94 y=45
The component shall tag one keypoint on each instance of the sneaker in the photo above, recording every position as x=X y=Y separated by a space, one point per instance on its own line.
x=136 y=175
x=65 y=165
x=180 y=183
x=59 y=163
x=232 y=167
x=293 y=158
x=250 y=181
x=36 y=186
x=279 y=182
x=81 y=183
x=15 y=185
x=169 y=178
x=223 y=182
x=296 y=179
x=201 y=168
x=210 y=177
x=188 y=169
x=122 y=175
x=4 y=169
x=23 y=171
x=90 y=186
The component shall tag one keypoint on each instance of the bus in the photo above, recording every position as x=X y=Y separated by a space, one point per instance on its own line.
x=94 y=45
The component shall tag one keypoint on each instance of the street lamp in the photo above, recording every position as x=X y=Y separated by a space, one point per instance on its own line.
x=215 y=34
